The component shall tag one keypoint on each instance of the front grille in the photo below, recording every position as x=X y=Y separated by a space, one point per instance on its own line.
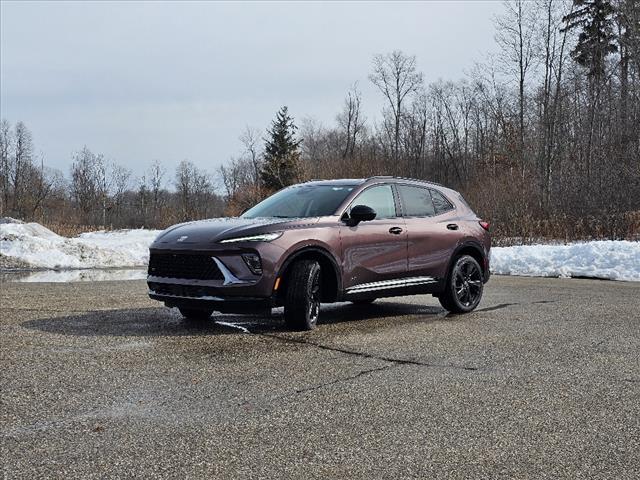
x=189 y=266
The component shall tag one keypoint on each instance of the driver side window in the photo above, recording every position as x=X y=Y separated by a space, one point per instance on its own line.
x=380 y=198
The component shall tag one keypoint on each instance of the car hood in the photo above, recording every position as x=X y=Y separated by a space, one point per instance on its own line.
x=213 y=230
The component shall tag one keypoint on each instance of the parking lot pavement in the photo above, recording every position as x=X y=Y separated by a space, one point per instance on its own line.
x=542 y=381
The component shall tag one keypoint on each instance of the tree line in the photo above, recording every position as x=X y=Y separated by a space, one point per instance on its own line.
x=97 y=192
x=542 y=138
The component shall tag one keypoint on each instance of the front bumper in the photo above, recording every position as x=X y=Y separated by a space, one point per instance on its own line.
x=181 y=297
x=237 y=290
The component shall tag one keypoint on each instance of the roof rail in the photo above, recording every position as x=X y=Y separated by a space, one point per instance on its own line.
x=405 y=178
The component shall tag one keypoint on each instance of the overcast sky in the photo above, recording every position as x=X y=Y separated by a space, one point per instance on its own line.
x=172 y=81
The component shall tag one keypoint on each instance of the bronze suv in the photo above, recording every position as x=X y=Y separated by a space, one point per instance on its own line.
x=326 y=241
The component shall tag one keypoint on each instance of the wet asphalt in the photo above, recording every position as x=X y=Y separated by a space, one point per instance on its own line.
x=542 y=381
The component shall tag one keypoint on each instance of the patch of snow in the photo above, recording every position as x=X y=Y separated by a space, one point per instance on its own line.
x=39 y=247
x=611 y=260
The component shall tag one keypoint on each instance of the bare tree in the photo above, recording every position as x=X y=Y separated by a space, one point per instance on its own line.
x=351 y=120
x=516 y=30
x=156 y=185
x=120 y=184
x=396 y=76
x=551 y=45
x=85 y=182
x=250 y=140
x=195 y=192
x=20 y=168
x=415 y=133
x=6 y=142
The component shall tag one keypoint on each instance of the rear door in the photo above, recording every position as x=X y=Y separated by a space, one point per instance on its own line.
x=374 y=253
x=432 y=230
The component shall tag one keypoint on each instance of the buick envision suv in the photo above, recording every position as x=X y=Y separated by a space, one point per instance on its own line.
x=326 y=241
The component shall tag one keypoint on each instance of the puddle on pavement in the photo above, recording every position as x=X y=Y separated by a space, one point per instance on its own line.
x=88 y=275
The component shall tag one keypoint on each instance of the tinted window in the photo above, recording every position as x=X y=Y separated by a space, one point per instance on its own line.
x=416 y=201
x=440 y=203
x=302 y=201
x=380 y=199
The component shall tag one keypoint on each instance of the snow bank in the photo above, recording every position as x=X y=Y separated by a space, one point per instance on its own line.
x=612 y=260
x=39 y=247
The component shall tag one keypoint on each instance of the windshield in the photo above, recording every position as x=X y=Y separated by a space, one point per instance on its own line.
x=302 y=201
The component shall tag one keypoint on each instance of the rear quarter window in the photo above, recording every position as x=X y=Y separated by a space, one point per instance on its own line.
x=440 y=202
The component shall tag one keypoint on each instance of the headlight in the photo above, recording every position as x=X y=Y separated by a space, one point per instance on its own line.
x=265 y=237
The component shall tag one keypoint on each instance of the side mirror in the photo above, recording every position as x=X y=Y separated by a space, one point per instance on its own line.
x=361 y=213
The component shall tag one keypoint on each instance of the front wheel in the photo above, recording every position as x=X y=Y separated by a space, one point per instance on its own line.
x=464 y=286
x=302 y=298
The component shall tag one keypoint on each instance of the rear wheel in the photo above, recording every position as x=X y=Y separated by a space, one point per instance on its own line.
x=302 y=298
x=195 y=315
x=463 y=290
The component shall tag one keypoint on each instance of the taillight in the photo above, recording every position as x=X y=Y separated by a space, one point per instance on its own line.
x=484 y=225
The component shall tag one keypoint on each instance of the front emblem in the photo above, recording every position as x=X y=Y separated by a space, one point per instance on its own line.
x=182 y=238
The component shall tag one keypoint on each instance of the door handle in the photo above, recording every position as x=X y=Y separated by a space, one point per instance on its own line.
x=452 y=226
x=395 y=230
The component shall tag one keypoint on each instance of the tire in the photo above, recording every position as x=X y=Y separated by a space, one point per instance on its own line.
x=302 y=298
x=194 y=315
x=464 y=286
x=365 y=301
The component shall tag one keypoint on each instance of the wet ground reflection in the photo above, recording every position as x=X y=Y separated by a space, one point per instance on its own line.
x=88 y=275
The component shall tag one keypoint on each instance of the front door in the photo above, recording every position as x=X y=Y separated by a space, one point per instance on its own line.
x=374 y=253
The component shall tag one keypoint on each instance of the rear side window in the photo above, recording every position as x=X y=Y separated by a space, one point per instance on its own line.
x=416 y=201
x=379 y=198
x=440 y=203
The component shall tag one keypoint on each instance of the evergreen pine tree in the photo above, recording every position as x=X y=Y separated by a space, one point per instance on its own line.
x=281 y=154
x=596 y=38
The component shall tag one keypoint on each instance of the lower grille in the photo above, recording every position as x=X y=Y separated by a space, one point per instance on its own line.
x=181 y=290
x=188 y=266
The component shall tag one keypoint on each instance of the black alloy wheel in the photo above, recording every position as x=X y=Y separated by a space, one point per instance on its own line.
x=464 y=287
x=303 y=295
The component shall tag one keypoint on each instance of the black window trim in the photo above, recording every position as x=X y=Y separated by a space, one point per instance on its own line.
x=453 y=205
x=398 y=184
x=396 y=201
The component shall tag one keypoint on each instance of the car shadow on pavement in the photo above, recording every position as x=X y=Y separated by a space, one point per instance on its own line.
x=150 y=322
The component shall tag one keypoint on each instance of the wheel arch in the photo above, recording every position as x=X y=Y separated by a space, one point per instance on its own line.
x=331 y=284
x=475 y=250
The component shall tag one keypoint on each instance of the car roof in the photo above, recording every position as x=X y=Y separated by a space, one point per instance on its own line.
x=374 y=179
x=336 y=181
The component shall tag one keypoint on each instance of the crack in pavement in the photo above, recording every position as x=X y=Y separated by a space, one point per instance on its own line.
x=391 y=361
x=312 y=388
x=345 y=379
x=398 y=361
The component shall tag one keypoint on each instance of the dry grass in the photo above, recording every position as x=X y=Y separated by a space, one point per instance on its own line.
x=71 y=230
